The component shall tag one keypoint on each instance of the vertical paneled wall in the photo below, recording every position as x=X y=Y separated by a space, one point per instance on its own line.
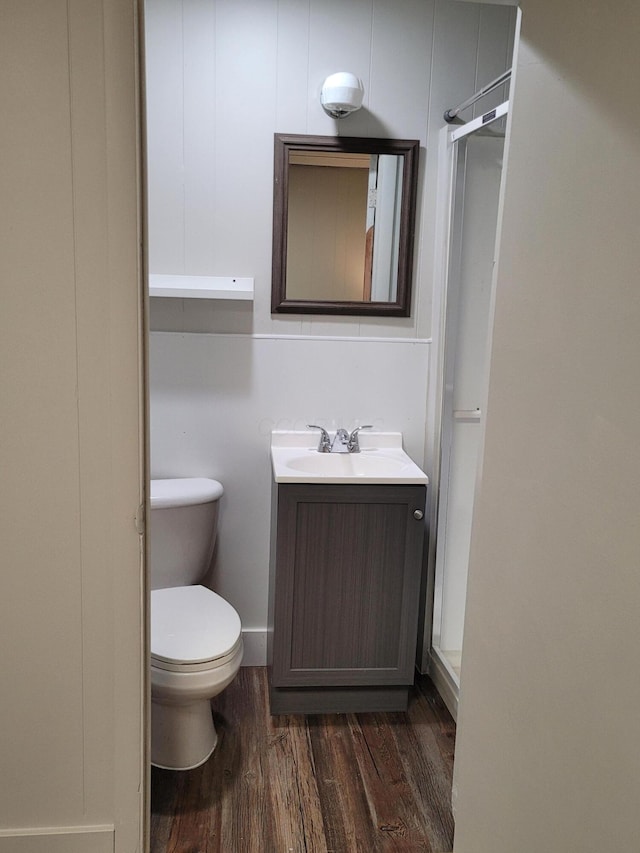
x=223 y=77
x=547 y=746
x=70 y=456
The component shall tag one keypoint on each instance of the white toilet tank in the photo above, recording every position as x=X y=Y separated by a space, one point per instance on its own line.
x=184 y=518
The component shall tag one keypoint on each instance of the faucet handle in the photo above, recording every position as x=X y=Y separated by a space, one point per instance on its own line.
x=325 y=442
x=354 y=444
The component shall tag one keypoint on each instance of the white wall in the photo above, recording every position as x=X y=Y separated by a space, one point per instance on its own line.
x=547 y=748
x=71 y=712
x=223 y=77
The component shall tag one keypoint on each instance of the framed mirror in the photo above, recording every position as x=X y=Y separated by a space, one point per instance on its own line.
x=343 y=225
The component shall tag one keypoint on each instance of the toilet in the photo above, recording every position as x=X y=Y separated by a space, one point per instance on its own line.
x=196 y=636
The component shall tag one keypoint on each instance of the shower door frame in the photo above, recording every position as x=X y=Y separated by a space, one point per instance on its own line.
x=447 y=285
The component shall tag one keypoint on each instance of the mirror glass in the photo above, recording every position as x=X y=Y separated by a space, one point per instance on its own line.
x=344 y=212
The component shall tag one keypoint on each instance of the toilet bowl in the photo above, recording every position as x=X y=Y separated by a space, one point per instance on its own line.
x=196 y=636
x=196 y=651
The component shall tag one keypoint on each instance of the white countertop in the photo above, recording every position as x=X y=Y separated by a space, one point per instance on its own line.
x=295 y=459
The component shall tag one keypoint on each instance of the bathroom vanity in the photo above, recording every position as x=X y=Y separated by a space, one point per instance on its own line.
x=346 y=565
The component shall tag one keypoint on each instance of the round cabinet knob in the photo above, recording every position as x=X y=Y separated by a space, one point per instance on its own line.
x=418 y=514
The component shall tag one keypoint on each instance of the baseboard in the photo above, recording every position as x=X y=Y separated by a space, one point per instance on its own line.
x=58 y=839
x=255 y=647
x=444 y=684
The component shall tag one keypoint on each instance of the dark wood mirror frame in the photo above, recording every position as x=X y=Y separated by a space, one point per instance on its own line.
x=408 y=149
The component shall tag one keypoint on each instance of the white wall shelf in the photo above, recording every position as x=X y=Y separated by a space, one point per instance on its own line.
x=201 y=287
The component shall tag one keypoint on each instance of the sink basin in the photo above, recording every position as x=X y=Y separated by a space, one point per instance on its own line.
x=366 y=464
x=295 y=459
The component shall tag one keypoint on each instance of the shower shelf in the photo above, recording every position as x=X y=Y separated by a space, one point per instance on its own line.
x=201 y=287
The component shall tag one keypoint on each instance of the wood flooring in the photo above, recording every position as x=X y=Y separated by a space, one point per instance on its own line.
x=331 y=783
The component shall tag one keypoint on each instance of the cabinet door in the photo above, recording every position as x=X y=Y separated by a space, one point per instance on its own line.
x=348 y=569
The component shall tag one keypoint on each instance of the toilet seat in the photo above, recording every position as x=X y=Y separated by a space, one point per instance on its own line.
x=192 y=629
x=172 y=666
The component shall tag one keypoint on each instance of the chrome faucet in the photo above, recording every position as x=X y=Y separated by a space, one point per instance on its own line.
x=343 y=442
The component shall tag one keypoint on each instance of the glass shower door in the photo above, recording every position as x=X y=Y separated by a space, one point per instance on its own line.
x=477 y=171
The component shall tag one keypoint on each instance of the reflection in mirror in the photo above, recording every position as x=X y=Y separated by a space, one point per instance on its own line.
x=343 y=225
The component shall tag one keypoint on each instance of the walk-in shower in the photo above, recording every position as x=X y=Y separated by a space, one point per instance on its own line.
x=470 y=173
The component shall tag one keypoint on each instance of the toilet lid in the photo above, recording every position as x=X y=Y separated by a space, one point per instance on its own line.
x=192 y=624
x=186 y=491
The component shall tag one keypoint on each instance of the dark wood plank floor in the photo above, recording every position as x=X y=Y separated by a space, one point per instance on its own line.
x=348 y=783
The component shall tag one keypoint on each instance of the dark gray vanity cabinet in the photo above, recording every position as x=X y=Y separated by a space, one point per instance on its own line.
x=346 y=565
